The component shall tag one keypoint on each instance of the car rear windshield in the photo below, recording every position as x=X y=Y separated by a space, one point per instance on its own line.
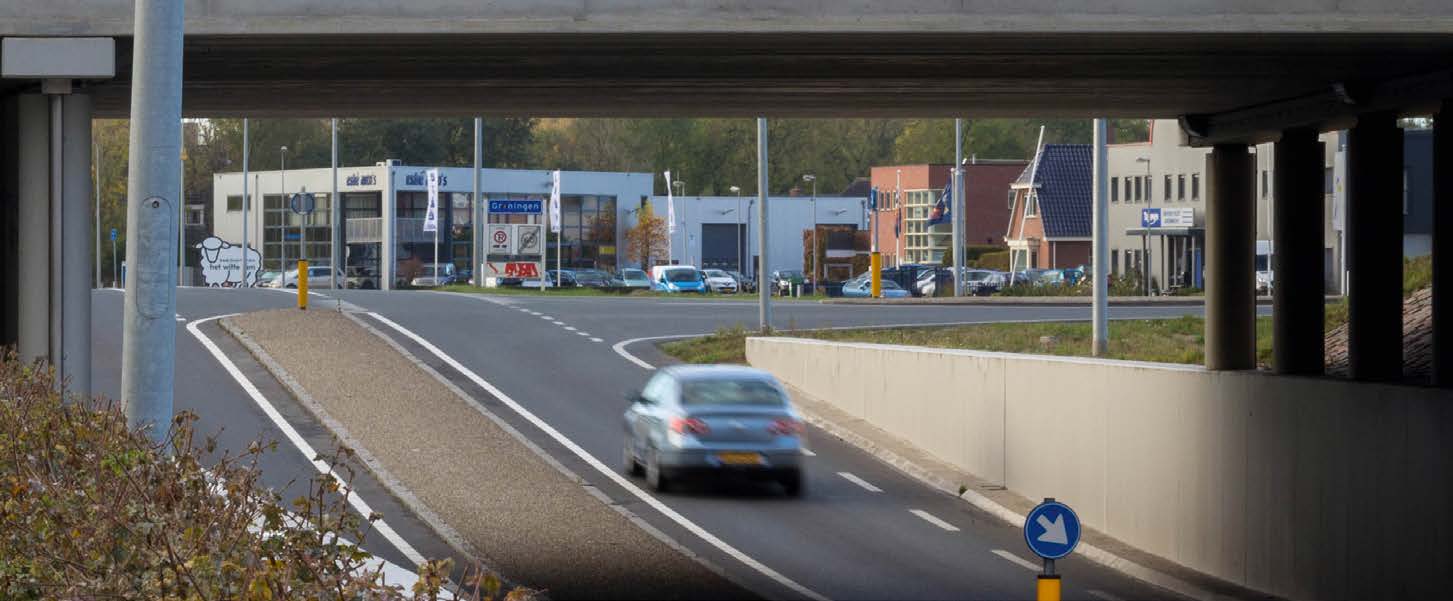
x=682 y=275
x=729 y=392
x=633 y=274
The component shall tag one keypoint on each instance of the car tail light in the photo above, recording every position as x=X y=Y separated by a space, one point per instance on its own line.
x=785 y=427
x=688 y=425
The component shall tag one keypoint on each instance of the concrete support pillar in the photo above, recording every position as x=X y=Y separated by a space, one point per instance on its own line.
x=33 y=228
x=1298 y=305
x=1443 y=246
x=387 y=246
x=76 y=240
x=1230 y=259
x=1375 y=248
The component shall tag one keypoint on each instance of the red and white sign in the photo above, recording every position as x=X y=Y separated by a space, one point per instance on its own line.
x=500 y=240
x=513 y=269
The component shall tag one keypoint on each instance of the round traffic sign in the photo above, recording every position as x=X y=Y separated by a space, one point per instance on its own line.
x=1052 y=530
x=500 y=237
x=302 y=203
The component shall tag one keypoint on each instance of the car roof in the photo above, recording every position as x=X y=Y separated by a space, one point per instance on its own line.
x=717 y=372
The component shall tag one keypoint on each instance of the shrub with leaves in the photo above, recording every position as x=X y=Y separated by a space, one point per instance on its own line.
x=90 y=509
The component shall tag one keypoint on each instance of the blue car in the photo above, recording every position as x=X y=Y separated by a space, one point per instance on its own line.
x=862 y=288
x=679 y=278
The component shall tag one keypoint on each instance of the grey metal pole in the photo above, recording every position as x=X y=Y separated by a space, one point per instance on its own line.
x=148 y=347
x=96 y=164
x=476 y=214
x=1100 y=271
x=764 y=292
x=75 y=220
x=957 y=213
x=335 y=220
x=282 y=190
x=246 y=200
x=57 y=250
x=182 y=205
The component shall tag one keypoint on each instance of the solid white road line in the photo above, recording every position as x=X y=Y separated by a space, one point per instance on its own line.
x=620 y=347
x=604 y=470
x=1104 y=596
x=930 y=518
x=808 y=452
x=302 y=445
x=860 y=482
x=1017 y=560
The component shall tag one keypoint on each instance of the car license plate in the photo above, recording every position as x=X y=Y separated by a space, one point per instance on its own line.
x=740 y=458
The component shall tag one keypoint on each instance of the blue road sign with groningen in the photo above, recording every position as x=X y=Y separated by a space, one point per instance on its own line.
x=1052 y=530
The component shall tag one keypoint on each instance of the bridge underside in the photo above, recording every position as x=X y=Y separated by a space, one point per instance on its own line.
x=774 y=74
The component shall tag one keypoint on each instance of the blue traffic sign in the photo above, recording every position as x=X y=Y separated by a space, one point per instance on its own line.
x=1052 y=530
x=514 y=206
x=1150 y=218
x=113 y=234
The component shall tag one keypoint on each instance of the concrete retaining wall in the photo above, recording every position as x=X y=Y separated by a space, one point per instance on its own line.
x=1305 y=488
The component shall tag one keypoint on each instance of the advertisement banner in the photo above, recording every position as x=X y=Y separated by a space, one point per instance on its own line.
x=555 y=202
x=431 y=217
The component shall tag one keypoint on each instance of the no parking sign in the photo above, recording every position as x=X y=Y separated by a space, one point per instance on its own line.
x=501 y=240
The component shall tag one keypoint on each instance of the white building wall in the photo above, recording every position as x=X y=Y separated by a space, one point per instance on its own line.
x=787 y=218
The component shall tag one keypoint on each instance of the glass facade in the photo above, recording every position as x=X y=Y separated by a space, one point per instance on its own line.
x=281 y=232
x=587 y=237
x=923 y=243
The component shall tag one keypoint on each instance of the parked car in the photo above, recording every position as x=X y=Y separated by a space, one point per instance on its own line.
x=269 y=279
x=434 y=274
x=360 y=277
x=634 y=279
x=318 y=277
x=592 y=278
x=744 y=283
x=982 y=282
x=719 y=281
x=785 y=279
x=863 y=288
x=712 y=420
x=678 y=278
x=561 y=278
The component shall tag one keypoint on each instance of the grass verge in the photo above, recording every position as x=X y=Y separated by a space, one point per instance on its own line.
x=1180 y=340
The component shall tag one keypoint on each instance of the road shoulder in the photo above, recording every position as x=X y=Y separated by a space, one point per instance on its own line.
x=501 y=496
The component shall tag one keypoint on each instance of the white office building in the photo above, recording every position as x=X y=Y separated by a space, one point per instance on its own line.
x=722 y=232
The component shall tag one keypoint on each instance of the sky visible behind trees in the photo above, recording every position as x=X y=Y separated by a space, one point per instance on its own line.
x=709 y=155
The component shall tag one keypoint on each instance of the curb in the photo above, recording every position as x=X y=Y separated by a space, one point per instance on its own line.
x=385 y=478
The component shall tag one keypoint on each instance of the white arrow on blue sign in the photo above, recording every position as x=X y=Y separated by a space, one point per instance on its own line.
x=113 y=234
x=1052 y=530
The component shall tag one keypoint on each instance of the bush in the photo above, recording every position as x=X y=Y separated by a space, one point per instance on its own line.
x=92 y=509
x=997 y=260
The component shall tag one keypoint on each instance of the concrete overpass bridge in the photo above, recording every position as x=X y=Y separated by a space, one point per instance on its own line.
x=1235 y=73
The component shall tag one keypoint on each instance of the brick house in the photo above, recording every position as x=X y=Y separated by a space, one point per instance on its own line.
x=907 y=194
x=1050 y=207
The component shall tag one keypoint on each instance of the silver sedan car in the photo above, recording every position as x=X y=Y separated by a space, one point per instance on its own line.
x=713 y=419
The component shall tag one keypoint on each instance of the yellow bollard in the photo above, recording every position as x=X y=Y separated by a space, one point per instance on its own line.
x=875 y=273
x=1047 y=587
x=303 y=285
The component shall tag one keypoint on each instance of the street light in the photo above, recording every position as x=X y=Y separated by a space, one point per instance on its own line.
x=738 y=191
x=813 y=178
x=681 y=191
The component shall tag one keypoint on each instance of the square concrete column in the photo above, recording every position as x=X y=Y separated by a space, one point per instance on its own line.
x=33 y=228
x=1443 y=246
x=1230 y=259
x=1298 y=304
x=1375 y=248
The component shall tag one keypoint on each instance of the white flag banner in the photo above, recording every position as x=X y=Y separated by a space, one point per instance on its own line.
x=670 y=207
x=431 y=217
x=555 y=202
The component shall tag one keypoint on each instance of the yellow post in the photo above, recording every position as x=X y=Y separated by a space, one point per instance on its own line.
x=303 y=284
x=1047 y=588
x=875 y=274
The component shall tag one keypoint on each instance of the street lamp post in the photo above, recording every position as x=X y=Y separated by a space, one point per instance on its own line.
x=282 y=190
x=681 y=223
x=813 y=255
x=738 y=191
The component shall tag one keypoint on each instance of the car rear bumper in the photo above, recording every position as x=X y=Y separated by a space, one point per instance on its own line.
x=700 y=460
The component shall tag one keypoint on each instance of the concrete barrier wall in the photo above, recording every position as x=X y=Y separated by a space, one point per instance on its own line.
x=1303 y=487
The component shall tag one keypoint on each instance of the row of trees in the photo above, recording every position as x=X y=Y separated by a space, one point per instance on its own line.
x=710 y=155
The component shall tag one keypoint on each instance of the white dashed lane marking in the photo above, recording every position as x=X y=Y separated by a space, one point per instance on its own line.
x=570 y=328
x=596 y=340
x=860 y=482
x=1017 y=560
x=930 y=518
x=1103 y=596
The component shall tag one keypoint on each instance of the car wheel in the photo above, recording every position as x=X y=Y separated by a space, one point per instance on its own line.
x=654 y=478
x=629 y=465
x=792 y=482
x=292 y=285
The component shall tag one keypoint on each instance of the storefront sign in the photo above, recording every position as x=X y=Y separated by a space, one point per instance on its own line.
x=515 y=206
x=1158 y=218
x=421 y=178
x=360 y=180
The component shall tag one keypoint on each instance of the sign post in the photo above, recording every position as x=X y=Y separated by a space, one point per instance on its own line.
x=303 y=204
x=431 y=218
x=1052 y=531
x=114 y=281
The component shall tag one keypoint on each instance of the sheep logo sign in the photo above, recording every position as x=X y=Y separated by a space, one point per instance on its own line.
x=221 y=263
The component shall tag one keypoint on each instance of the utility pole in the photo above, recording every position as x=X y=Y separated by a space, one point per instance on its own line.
x=335 y=211
x=246 y=200
x=740 y=218
x=957 y=214
x=476 y=212
x=1101 y=256
x=764 y=292
x=96 y=161
x=813 y=178
x=148 y=346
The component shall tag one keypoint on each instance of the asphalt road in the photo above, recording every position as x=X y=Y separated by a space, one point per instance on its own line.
x=894 y=538
x=225 y=411
x=877 y=534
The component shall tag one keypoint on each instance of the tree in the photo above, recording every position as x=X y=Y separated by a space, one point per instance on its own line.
x=647 y=239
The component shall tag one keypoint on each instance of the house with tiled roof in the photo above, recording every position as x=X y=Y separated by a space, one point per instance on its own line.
x=1049 y=209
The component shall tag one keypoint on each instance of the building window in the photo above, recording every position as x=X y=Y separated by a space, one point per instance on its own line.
x=1195 y=186
x=1139 y=192
x=234 y=204
x=1405 y=190
x=1263 y=183
x=282 y=227
x=1127 y=190
x=1167 y=188
x=1181 y=186
x=1114 y=261
x=1031 y=205
x=1115 y=189
x=1013 y=195
x=197 y=216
